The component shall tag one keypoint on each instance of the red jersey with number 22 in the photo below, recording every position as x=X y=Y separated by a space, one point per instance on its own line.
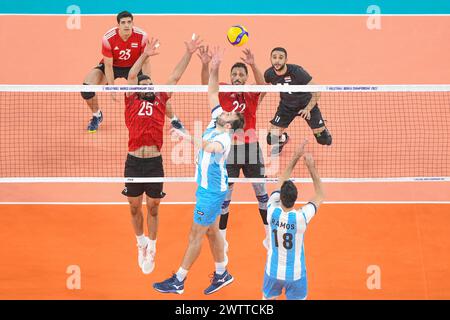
x=124 y=53
x=246 y=103
x=145 y=120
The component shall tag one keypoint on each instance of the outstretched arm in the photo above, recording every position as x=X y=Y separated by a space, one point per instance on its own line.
x=292 y=163
x=213 y=83
x=318 y=188
x=205 y=58
x=191 y=47
x=150 y=50
x=250 y=60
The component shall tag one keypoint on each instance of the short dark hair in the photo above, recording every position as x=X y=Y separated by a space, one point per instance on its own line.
x=279 y=49
x=239 y=65
x=124 y=14
x=239 y=123
x=143 y=77
x=288 y=194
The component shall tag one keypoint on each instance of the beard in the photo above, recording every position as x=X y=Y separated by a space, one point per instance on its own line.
x=280 y=67
x=221 y=122
x=147 y=96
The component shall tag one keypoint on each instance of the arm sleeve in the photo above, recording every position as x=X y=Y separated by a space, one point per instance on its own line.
x=302 y=77
x=274 y=199
x=308 y=211
x=106 y=48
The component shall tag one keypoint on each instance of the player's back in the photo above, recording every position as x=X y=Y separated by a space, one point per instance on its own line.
x=286 y=255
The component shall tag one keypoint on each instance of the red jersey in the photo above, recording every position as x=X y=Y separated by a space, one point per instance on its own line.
x=246 y=103
x=145 y=120
x=124 y=53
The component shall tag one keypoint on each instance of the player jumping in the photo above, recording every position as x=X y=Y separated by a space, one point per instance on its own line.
x=212 y=180
x=245 y=151
x=145 y=114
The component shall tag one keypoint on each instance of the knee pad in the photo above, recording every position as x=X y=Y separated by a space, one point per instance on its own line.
x=272 y=139
x=324 y=137
x=87 y=95
x=226 y=203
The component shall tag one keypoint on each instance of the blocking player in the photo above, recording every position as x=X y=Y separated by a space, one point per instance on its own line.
x=121 y=47
x=285 y=266
x=245 y=151
x=212 y=180
x=293 y=104
x=145 y=114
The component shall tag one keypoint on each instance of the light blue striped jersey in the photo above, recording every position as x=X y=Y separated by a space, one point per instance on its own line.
x=286 y=253
x=211 y=172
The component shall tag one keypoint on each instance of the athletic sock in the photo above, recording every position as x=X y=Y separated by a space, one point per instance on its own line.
x=97 y=114
x=220 y=267
x=141 y=240
x=181 y=274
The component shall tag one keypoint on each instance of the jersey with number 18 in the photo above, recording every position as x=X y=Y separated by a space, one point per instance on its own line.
x=286 y=253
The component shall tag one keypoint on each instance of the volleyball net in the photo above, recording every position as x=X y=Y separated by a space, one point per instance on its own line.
x=380 y=133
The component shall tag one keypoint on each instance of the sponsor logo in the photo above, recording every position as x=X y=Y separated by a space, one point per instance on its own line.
x=116 y=48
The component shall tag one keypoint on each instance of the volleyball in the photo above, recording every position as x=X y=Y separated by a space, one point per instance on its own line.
x=237 y=35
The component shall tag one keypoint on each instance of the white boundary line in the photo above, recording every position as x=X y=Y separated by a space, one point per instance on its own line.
x=232 y=202
x=237 y=14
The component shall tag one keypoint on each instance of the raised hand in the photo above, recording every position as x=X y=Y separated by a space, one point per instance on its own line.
x=249 y=57
x=193 y=44
x=151 y=47
x=217 y=54
x=204 y=55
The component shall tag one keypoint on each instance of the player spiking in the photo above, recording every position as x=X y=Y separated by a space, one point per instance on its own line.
x=212 y=180
x=245 y=151
x=121 y=47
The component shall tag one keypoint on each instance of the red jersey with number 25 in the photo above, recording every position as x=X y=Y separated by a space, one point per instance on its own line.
x=246 y=103
x=145 y=120
x=124 y=53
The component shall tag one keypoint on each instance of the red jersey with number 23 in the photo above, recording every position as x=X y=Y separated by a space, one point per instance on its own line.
x=145 y=120
x=246 y=103
x=124 y=53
